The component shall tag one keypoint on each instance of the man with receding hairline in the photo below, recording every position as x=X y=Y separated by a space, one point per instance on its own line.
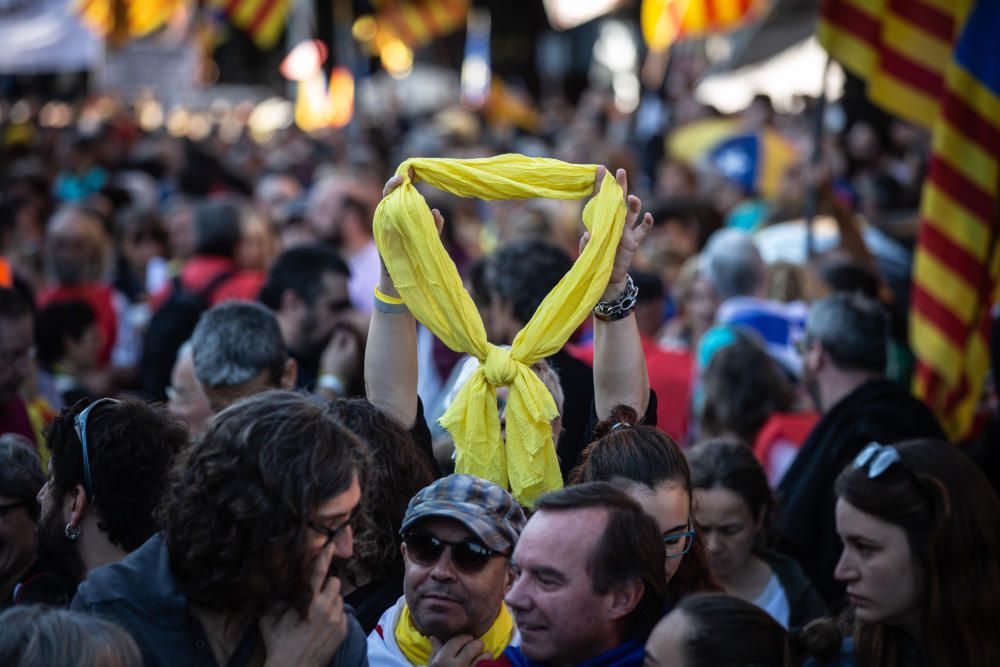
x=590 y=580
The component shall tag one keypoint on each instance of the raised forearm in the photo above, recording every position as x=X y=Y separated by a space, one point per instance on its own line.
x=391 y=361
x=620 y=376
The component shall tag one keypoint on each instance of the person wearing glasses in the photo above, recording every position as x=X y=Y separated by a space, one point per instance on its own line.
x=921 y=561
x=647 y=464
x=590 y=582
x=733 y=508
x=110 y=460
x=242 y=571
x=458 y=536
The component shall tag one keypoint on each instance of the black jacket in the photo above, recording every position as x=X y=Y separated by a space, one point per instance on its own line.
x=804 y=601
x=878 y=410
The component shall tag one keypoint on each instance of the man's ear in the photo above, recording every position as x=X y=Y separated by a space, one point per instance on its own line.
x=625 y=598
x=76 y=504
x=289 y=373
x=509 y=578
x=817 y=357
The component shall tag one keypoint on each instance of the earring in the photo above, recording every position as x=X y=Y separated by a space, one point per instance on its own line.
x=72 y=532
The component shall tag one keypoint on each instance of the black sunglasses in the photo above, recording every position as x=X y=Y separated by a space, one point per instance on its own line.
x=468 y=556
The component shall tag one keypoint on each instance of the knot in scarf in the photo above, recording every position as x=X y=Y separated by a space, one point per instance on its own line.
x=500 y=368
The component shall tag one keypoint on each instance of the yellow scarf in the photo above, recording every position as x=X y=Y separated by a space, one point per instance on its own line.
x=417 y=648
x=432 y=289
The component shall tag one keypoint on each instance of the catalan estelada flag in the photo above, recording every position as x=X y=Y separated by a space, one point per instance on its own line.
x=262 y=20
x=957 y=263
x=900 y=48
x=418 y=22
x=664 y=22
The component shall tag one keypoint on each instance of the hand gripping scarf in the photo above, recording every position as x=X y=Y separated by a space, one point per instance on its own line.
x=429 y=284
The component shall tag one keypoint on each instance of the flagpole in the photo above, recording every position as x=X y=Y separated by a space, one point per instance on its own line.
x=812 y=195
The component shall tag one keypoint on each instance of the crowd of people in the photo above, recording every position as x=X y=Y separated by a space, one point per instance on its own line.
x=220 y=419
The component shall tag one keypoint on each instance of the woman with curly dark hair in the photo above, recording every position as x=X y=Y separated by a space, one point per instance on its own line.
x=647 y=464
x=109 y=467
x=256 y=514
x=373 y=577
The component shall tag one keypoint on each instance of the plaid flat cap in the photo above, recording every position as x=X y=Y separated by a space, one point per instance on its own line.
x=487 y=510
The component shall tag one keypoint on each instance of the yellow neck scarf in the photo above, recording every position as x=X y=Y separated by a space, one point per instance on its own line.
x=430 y=285
x=417 y=648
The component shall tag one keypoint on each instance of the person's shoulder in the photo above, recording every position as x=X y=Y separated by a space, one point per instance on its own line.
x=386 y=624
x=242 y=285
x=128 y=579
x=353 y=651
x=41 y=585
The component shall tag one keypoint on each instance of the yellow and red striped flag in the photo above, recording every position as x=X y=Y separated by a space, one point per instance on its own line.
x=957 y=263
x=664 y=22
x=418 y=22
x=262 y=20
x=900 y=48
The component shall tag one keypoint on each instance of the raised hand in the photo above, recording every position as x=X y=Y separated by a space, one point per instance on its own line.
x=459 y=651
x=633 y=235
x=385 y=284
x=310 y=641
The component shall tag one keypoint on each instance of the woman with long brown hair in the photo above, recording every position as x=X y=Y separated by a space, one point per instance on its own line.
x=647 y=464
x=921 y=561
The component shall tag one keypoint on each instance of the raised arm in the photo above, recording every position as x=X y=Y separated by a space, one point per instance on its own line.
x=391 y=354
x=620 y=376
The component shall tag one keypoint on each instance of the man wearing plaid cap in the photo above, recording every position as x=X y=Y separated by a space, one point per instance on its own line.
x=458 y=535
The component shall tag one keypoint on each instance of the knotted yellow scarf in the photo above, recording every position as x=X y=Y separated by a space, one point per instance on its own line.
x=430 y=286
x=417 y=647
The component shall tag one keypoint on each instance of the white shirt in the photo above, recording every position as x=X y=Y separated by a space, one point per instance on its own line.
x=774 y=601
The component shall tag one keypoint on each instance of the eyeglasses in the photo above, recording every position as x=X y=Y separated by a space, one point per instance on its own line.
x=468 y=556
x=678 y=544
x=881 y=457
x=332 y=533
x=80 y=426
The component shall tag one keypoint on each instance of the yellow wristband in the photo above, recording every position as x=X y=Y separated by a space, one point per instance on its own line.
x=385 y=298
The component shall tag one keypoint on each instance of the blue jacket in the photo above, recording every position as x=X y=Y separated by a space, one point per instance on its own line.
x=629 y=654
x=141 y=594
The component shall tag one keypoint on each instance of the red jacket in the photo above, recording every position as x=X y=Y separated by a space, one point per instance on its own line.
x=671 y=374
x=200 y=271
